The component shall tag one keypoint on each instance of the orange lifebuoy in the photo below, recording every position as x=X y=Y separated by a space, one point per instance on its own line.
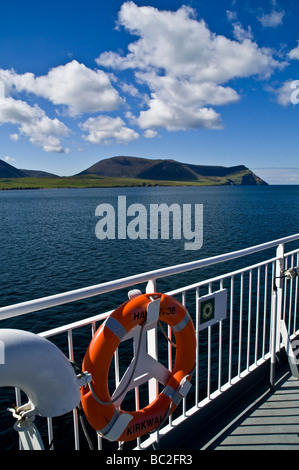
x=111 y=421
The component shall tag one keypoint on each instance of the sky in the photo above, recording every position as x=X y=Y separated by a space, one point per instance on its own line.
x=209 y=83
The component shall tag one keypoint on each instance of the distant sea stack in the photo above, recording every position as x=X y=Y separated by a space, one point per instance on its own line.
x=171 y=170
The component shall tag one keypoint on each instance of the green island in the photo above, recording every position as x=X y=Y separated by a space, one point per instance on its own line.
x=129 y=172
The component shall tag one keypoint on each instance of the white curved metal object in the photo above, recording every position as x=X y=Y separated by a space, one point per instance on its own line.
x=41 y=370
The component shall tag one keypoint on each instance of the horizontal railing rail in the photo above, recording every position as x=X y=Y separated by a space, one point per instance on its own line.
x=87 y=292
x=226 y=352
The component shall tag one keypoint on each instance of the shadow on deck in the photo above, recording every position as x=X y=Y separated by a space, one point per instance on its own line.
x=251 y=416
x=270 y=423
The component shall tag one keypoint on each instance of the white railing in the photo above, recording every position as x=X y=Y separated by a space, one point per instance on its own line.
x=258 y=298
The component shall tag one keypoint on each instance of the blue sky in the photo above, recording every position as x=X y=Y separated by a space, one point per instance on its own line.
x=212 y=83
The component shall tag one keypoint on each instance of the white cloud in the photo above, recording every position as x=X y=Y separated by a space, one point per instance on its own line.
x=150 y=134
x=17 y=111
x=73 y=85
x=2 y=91
x=182 y=72
x=294 y=53
x=78 y=88
x=33 y=123
x=284 y=93
x=104 y=130
x=273 y=19
x=175 y=117
x=130 y=89
x=231 y=15
x=9 y=159
x=185 y=65
x=288 y=93
x=182 y=46
x=179 y=104
x=239 y=32
x=46 y=133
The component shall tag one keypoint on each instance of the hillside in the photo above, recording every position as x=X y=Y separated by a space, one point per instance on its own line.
x=171 y=170
x=130 y=171
x=9 y=171
x=38 y=174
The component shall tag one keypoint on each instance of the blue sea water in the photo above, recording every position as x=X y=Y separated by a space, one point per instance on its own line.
x=49 y=245
x=48 y=241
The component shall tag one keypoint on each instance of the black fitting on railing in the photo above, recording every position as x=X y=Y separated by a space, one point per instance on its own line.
x=290 y=273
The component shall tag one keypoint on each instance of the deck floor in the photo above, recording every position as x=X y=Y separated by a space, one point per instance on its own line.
x=270 y=423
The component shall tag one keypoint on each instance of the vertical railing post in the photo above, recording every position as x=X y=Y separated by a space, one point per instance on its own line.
x=273 y=332
x=75 y=412
x=280 y=291
x=276 y=313
x=152 y=346
x=197 y=348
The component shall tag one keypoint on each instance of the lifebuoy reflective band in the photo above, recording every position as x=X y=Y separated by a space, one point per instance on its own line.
x=110 y=421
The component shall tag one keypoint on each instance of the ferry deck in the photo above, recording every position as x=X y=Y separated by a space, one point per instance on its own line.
x=245 y=389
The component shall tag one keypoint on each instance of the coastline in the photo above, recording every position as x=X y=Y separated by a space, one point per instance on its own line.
x=107 y=182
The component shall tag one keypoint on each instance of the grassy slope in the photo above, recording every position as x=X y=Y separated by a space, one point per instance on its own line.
x=90 y=181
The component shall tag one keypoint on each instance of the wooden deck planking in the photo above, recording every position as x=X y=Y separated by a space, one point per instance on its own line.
x=270 y=423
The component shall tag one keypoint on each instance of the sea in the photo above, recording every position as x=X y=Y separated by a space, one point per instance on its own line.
x=50 y=243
